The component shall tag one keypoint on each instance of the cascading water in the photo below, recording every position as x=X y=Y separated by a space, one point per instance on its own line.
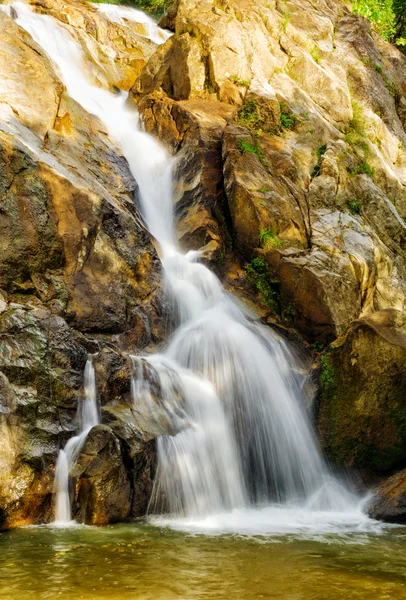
x=245 y=457
x=88 y=417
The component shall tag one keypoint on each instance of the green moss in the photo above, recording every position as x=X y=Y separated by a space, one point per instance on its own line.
x=327 y=377
x=245 y=147
x=268 y=240
x=268 y=289
x=355 y=206
x=238 y=81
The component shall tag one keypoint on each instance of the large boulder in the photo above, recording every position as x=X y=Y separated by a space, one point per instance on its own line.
x=389 y=500
x=363 y=394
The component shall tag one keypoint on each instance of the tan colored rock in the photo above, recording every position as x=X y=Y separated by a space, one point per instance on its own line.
x=37 y=88
x=258 y=199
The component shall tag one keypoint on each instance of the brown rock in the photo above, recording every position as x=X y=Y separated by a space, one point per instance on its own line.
x=102 y=491
x=363 y=383
x=389 y=500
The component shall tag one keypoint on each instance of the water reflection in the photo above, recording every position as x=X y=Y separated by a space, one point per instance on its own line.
x=141 y=562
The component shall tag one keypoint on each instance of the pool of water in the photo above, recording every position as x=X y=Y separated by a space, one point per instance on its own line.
x=145 y=562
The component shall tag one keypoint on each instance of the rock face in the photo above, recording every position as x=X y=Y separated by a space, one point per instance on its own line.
x=363 y=394
x=389 y=502
x=78 y=272
x=313 y=147
x=307 y=153
x=287 y=126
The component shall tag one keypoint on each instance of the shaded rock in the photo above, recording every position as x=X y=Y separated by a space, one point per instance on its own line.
x=41 y=373
x=271 y=207
x=192 y=131
x=362 y=401
x=102 y=491
x=389 y=500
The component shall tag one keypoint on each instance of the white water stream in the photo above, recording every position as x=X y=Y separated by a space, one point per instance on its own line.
x=88 y=417
x=246 y=458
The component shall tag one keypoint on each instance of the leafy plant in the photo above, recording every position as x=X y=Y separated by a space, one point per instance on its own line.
x=355 y=206
x=287 y=118
x=249 y=117
x=362 y=167
x=268 y=289
x=268 y=240
x=263 y=190
x=320 y=153
x=238 y=81
x=388 y=18
x=315 y=54
x=244 y=146
x=286 y=19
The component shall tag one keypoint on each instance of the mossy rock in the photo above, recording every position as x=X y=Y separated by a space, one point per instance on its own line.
x=362 y=414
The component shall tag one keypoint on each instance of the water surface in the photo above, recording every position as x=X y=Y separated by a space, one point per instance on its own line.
x=143 y=562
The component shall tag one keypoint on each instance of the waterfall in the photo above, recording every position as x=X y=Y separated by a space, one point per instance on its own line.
x=88 y=417
x=245 y=444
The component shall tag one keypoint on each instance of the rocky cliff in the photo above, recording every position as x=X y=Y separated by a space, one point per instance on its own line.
x=291 y=118
x=287 y=120
x=78 y=272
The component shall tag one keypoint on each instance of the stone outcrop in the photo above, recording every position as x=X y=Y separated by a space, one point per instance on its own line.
x=389 y=501
x=363 y=390
x=313 y=146
x=78 y=272
x=287 y=126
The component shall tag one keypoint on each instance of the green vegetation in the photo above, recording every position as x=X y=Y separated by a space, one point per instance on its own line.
x=362 y=167
x=263 y=190
x=268 y=240
x=155 y=7
x=286 y=19
x=287 y=118
x=315 y=54
x=244 y=146
x=355 y=206
x=327 y=372
x=320 y=153
x=249 y=117
x=356 y=137
x=238 y=81
x=388 y=18
x=268 y=289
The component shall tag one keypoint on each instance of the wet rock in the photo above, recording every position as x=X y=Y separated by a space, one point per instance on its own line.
x=363 y=385
x=192 y=130
x=102 y=491
x=41 y=372
x=74 y=258
x=389 y=500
